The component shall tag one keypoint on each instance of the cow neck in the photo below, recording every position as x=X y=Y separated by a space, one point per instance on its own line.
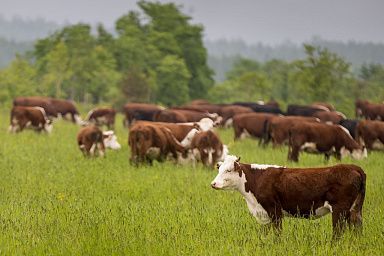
x=249 y=176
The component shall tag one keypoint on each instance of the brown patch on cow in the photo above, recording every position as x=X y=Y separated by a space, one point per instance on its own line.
x=369 y=131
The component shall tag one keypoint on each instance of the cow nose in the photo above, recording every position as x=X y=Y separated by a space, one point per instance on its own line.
x=213 y=184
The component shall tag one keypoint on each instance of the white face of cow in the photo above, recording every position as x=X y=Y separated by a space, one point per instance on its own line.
x=228 y=178
x=206 y=124
x=110 y=140
x=48 y=127
x=186 y=142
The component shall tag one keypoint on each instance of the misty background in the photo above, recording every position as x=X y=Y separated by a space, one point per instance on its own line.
x=259 y=30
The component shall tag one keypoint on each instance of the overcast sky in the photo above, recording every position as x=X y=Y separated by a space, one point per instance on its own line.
x=267 y=21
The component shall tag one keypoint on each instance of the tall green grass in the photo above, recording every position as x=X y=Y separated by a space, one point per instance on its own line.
x=53 y=201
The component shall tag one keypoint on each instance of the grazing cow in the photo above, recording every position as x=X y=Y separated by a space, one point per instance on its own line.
x=207 y=148
x=371 y=111
x=277 y=128
x=371 y=134
x=350 y=125
x=29 y=117
x=262 y=108
x=37 y=101
x=272 y=191
x=65 y=108
x=210 y=108
x=250 y=124
x=92 y=141
x=102 y=116
x=139 y=111
x=182 y=116
x=322 y=105
x=329 y=117
x=323 y=138
x=300 y=110
x=150 y=142
x=228 y=112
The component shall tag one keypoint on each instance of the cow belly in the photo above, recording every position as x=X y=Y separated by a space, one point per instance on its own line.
x=309 y=147
x=153 y=153
x=310 y=213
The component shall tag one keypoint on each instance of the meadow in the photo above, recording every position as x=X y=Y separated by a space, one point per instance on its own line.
x=53 y=201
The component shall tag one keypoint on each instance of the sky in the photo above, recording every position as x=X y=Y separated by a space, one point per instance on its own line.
x=267 y=21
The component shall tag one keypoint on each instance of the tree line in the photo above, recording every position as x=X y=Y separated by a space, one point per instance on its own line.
x=157 y=55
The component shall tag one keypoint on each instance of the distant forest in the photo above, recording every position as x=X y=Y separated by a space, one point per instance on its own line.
x=224 y=53
x=17 y=35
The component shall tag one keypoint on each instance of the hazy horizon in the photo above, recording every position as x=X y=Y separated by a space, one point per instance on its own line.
x=270 y=22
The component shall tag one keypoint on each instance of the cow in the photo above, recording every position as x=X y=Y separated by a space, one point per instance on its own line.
x=272 y=192
x=93 y=142
x=210 y=108
x=370 y=133
x=150 y=142
x=139 y=111
x=273 y=109
x=250 y=124
x=37 y=101
x=350 y=125
x=207 y=147
x=199 y=102
x=183 y=115
x=323 y=138
x=102 y=116
x=329 y=117
x=368 y=110
x=301 y=110
x=228 y=112
x=65 y=108
x=277 y=128
x=29 y=117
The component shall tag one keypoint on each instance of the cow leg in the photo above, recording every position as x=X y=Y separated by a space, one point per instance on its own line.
x=238 y=132
x=339 y=216
x=294 y=155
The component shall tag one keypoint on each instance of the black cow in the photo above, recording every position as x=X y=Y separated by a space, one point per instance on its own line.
x=350 y=125
x=260 y=108
x=301 y=110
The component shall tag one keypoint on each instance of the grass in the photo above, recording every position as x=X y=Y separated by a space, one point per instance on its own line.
x=55 y=202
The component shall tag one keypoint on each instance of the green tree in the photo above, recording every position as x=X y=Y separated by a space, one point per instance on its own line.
x=18 y=79
x=172 y=80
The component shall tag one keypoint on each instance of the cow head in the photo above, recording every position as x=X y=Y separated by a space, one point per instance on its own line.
x=229 y=176
x=358 y=154
x=205 y=124
x=48 y=126
x=110 y=140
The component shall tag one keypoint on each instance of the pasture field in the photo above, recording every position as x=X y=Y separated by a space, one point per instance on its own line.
x=53 y=201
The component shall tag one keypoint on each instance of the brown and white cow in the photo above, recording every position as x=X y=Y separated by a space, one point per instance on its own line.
x=150 y=142
x=333 y=117
x=102 y=116
x=277 y=128
x=29 y=117
x=272 y=191
x=228 y=112
x=139 y=111
x=92 y=141
x=37 y=101
x=183 y=116
x=207 y=147
x=368 y=110
x=322 y=105
x=323 y=138
x=370 y=134
x=66 y=108
x=250 y=124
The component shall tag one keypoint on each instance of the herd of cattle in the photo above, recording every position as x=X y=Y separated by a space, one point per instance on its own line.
x=185 y=134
